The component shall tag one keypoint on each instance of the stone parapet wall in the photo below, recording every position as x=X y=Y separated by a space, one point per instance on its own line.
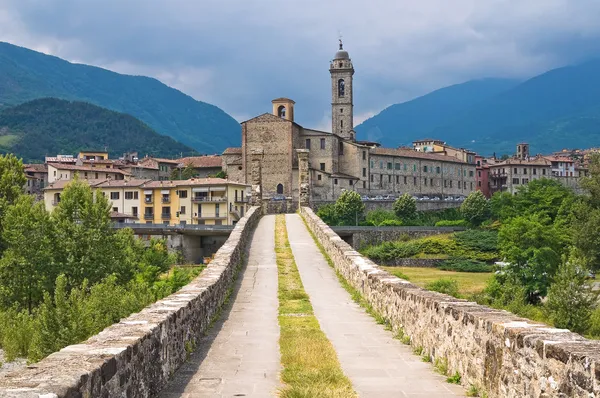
x=137 y=356
x=503 y=354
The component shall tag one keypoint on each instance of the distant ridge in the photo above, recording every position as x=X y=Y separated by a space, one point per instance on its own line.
x=51 y=126
x=26 y=75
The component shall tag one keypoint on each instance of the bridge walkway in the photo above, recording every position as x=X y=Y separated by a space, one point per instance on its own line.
x=240 y=354
x=377 y=364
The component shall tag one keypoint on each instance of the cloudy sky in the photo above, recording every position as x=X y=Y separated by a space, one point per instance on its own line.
x=240 y=54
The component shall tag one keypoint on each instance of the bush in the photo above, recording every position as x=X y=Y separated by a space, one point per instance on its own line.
x=485 y=241
x=349 y=208
x=452 y=223
x=391 y=223
x=327 y=214
x=378 y=216
x=475 y=208
x=465 y=265
x=405 y=207
x=443 y=285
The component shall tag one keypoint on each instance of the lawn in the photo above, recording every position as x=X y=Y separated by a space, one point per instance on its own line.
x=468 y=282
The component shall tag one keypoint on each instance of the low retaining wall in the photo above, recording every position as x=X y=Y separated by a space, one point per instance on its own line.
x=505 y=355
x=137 y=356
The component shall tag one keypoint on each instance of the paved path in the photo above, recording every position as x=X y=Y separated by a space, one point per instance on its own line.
x=377 y=364
x=240 y=356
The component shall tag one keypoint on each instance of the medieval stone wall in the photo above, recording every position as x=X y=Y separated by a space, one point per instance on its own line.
x=505 y=355
x=137 y=356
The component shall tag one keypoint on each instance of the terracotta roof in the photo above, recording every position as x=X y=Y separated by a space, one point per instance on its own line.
x=36 y=168
x=210 y=161
x=559 y=159
x=538 y=161
x=232 y=151
x=190 y=182
x=61 y=184
x=114 y=214
x=122 y=183
x=162 y=160
x=61 y=166
x=282 y=99
x=409 y=153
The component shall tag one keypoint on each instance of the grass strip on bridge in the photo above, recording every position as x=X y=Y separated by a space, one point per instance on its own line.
x=310 y=364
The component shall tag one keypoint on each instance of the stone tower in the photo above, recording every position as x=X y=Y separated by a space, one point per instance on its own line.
x=342 y=104
x=523 y=151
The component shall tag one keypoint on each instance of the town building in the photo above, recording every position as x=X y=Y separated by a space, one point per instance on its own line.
x=441 y=148
x=337 y=161
x=204 y=166
x=63 y=171
x=37 y=178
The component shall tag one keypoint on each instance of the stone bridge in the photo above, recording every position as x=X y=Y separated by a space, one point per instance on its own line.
x=181 y=347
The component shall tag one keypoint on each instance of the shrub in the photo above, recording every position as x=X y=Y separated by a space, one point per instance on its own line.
x=405 y=207
x=443 y=285
x=327 y=214
x=391 y=223
x=452 y=223
x=465 y=265
x=475 y=208
x=376 y=217
x=485 y=241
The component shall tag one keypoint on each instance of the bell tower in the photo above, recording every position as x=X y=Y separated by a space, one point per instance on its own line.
x=342 y=104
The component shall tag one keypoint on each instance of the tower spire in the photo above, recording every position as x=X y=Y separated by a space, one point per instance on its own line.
x=340 y=40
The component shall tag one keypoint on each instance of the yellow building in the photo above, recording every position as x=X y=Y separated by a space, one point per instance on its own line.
x=205 y=201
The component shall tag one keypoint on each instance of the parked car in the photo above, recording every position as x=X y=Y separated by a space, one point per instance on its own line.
x=425 y=198
x=378 y=197
x=389 y=197
x=364 y=198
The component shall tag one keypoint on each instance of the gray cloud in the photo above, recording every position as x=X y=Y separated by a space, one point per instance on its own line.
x=239 y=54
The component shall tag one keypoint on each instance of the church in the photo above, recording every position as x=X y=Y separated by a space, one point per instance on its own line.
x=337 y=161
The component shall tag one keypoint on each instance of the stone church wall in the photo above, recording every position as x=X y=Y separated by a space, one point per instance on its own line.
x=137 y=356
x=503 y=354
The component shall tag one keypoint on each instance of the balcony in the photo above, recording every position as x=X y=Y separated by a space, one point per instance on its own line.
x=165 y=216
x=242 y=200
x=148 y=216
x=166 y=199
x=213 y=216
x=148 y=201
x=202 y=199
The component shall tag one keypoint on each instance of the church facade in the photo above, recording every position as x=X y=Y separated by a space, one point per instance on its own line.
x=337 y=161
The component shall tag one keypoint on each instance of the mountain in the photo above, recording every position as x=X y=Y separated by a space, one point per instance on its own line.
x=555 y=110
x=401 y=124
x=26 y=75
x=49 y=126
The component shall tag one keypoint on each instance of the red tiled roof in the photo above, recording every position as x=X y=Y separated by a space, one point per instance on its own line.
x=232 y=151
x=61 y=166
x=122 y=183
x=35 y=167
x=210 y=161
x=409 y=153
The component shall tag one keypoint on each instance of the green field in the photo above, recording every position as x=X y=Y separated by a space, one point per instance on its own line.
x=468 y=282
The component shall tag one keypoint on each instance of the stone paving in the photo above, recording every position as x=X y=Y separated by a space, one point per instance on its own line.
x=240 y=355
x=376 y=363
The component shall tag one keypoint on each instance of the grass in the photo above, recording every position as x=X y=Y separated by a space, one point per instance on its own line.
x=310 y=364
x=468 y=282
x=7 y=141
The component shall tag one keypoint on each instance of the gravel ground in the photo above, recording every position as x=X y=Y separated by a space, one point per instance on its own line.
x=10 y=366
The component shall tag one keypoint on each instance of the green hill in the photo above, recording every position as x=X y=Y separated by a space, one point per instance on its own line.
x=401 y=124
x=49 y=126
x=26 y=75
x=557 y=109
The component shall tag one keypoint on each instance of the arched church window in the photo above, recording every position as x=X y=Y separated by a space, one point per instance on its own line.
x=279 y=189
x=341 y=123
x=281 y=111
x=341 y=88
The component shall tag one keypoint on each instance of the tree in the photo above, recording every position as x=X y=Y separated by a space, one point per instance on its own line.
x=533 y=246
x=378 y=216
x=405 y=207
x=327 y=214
x=28 y=267
x=592 y=183
x=184 y=173
x=570 y=298
x=475 y=208
x=349 y=208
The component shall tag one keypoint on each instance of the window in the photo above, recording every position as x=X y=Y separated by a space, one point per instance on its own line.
x=464 y=185
x=341 y=146
x=341 y=88
x=364 y=171
x=279 y=189
x=472 y=186
x=425 y=181
x=445 y=183
x=364 y=184
x=307 y=143
x=544 y=171
x=524 y=171
x=389 y=166
x=335 y=181
x=425 y=169
x=166 y=210
x=397 y=166
x=341 y=124
x=322 y=166
x=372 y=164
x=415 y=180
x=450 y=183
x=525 y=180
x=115 y=209
x=438 y=170
x=182 y=211
x=281 y=111
x=515 y=181
x=516 y=170
x=534 y=171
x=341 y=110
x=405 y=182
x=134 y=211
x=218 y=206
x=182 y=194
x=470 y=173
x=319 y=177
x=364 y=155
x=479 y=173
x=114 y=196
x=85 y=174
x=479 y=183
x=218 y=222
x=405 y=166
x=389 y=178
x=322 y=143
x=414 y=167
x=380 y=179
x=381 y=164
x=129 y=195
x=350 y=182
x=54 y=173
x=96 y=176
x=431 y=181
x=372 y=178
x=397 y=179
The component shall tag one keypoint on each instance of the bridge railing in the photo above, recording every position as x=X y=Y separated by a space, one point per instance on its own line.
x=180 y=227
